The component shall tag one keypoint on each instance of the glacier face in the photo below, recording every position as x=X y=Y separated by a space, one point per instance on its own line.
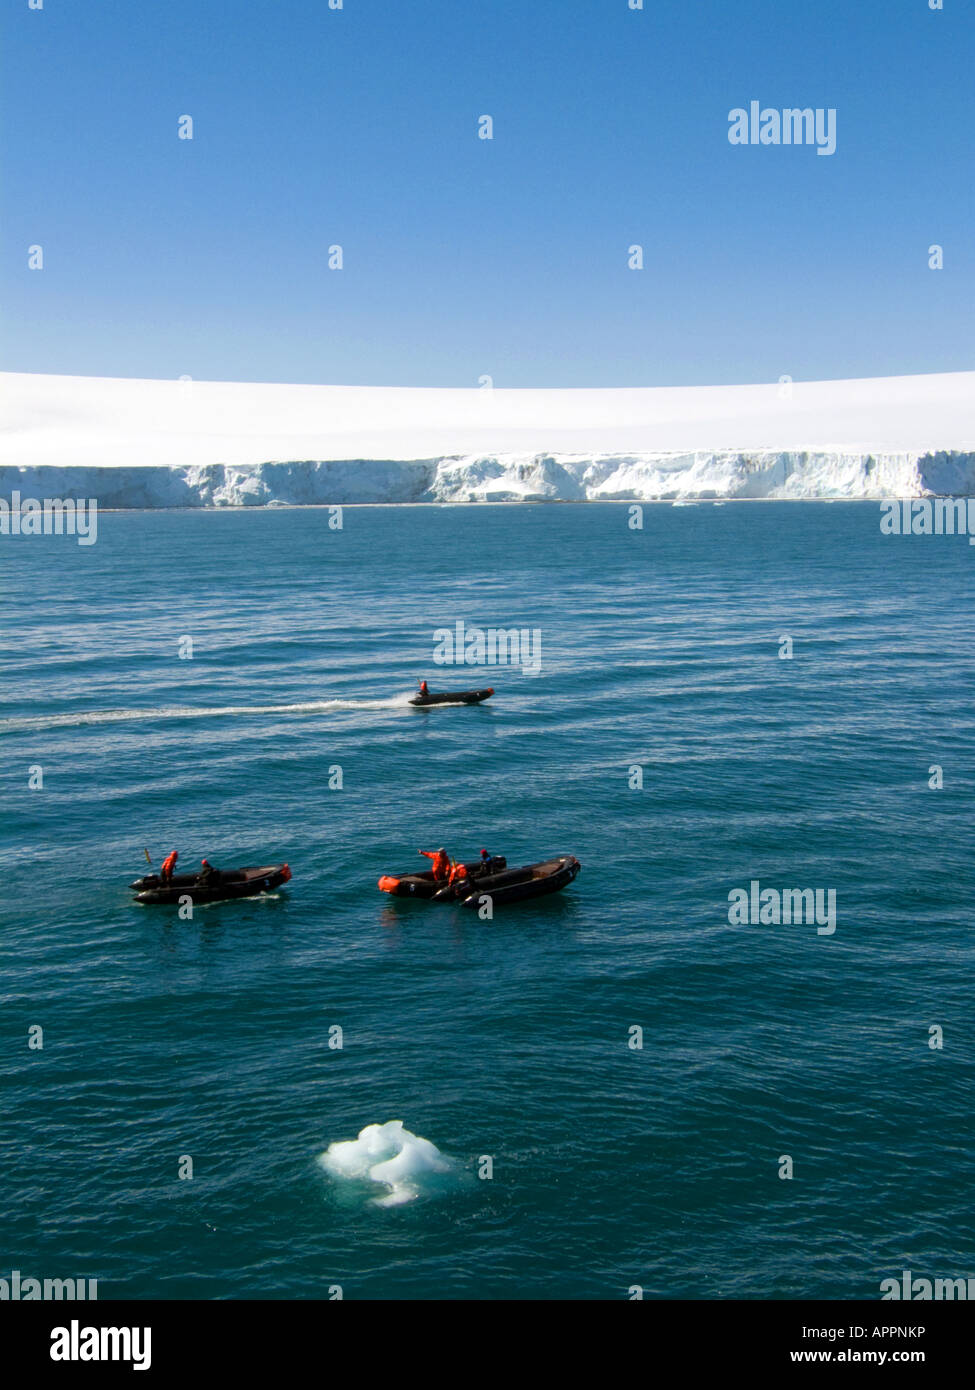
x=640 y=477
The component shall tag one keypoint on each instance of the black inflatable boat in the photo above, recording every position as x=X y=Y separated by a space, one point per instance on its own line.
x=453 y=697
x=424 y=885
x=498 y=882
x=231 y=883
x=530 y=881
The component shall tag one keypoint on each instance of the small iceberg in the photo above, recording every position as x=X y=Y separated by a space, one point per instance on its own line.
x=402 y=1162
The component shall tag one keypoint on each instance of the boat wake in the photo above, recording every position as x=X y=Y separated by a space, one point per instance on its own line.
x=29 y=723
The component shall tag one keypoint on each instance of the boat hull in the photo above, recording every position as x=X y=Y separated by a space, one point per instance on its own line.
x=452 y=697
x=531 y=881
x=424 y=885
x=235 y=883
x=502 y=885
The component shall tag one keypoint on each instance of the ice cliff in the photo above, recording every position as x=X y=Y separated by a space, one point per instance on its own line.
x=134 y=443
x=508 y=478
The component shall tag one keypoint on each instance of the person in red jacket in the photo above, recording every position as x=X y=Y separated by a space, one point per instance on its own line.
x=441 y=863
x=424 y=689
x=168 y=865
x=208 y=875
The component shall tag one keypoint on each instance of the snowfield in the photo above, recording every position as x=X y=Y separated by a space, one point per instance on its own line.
x=133 y=443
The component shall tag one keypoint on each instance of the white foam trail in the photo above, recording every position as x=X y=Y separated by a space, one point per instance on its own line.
x=387 y=1154
x=118 y=716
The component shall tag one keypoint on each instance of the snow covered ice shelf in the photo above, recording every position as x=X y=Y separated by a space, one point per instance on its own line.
x=133 y=443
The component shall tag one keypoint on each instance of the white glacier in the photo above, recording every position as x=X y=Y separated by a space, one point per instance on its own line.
x=132 y=443
x=509 y=478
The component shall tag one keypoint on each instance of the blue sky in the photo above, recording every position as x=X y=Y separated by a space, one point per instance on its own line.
x=465 y=257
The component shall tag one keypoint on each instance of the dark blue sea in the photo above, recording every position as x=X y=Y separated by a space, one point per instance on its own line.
x=768 y=1049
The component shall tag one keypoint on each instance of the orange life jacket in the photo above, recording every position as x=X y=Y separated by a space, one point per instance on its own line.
x=441 y=862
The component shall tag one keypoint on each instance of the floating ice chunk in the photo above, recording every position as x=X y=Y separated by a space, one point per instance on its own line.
x=390 y=1155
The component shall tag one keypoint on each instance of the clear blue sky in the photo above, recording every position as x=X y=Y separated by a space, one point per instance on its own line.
x=462 y=256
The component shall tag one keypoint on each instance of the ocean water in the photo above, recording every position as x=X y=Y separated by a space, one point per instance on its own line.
x=612 y=1166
